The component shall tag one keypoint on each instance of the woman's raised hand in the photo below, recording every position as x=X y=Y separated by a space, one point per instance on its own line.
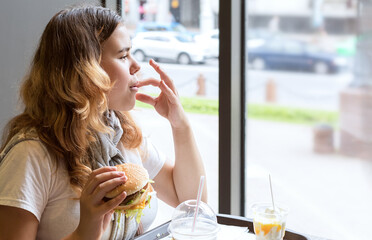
x=95 y=214
x=167 y=104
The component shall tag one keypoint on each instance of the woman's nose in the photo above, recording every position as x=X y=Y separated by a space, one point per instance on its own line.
x=135 y=67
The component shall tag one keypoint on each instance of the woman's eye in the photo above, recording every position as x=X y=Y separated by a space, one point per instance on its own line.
x=124 y=57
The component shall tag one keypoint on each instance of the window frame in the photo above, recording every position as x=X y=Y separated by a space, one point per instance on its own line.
x=232 y=110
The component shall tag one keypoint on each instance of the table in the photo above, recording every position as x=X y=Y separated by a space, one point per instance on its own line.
x=162 y=230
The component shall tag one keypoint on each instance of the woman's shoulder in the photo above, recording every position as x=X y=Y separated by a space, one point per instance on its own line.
x=25 y=146
x=30 y=147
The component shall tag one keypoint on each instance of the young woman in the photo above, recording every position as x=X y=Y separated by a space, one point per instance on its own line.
x=58 y=156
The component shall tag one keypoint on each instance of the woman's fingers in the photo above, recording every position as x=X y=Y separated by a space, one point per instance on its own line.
x=163 y=75
x=152 y=101
x=168 y=92
x=101 y=170
x=104 y=187
x=93 y=174
x=102 y=176
x=145 y=98
x=149 y=81
x=113 y=203
x=107 y=218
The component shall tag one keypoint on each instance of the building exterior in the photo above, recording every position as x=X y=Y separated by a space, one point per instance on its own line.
x=336 y=16
x=188 y=12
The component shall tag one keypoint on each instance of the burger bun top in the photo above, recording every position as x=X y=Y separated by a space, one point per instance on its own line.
x=137 y=176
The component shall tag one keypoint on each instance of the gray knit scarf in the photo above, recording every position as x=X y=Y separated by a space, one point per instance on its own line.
x=105 y=153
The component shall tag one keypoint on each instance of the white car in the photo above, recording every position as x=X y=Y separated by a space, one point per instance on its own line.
x=210 y=41
x=167 y=45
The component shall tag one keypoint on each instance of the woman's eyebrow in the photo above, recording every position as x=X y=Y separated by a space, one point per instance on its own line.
x=126 y=49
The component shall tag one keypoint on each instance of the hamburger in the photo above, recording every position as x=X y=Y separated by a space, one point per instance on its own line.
x=138 y=186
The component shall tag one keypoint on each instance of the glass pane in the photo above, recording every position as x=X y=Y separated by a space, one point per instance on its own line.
x=181 y=37
x=308 y=100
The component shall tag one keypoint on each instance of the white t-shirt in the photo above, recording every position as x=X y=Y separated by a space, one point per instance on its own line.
x=29 y=180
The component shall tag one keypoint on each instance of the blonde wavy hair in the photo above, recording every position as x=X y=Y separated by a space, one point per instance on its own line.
x=64 y=94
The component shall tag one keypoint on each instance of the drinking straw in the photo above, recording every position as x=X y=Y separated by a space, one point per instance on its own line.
x=200 y=192
x=272 y=195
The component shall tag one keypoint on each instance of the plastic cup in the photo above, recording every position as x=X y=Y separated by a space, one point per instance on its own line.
x=269 y=224
x=206 y=226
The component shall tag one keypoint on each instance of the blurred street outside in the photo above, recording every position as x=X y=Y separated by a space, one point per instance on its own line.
x=298 y=180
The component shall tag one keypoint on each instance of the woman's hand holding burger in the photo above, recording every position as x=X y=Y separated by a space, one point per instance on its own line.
x=95 y=214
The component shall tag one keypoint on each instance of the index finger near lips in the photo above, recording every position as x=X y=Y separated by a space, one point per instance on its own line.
x=149 y=81
x=162 y=74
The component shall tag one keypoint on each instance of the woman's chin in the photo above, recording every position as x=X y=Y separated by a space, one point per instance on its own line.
x=127 y=104
x=125 y=108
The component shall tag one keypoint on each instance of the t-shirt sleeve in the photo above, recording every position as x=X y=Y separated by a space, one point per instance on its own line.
x=25 y=177
x=152 y=159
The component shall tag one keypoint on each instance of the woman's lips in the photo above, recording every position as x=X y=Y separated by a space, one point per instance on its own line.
x=134 y=87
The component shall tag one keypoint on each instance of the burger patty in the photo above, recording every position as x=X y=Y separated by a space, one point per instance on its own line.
x=130 y=197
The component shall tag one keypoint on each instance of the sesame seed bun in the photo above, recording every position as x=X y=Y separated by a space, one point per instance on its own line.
x=137 y=175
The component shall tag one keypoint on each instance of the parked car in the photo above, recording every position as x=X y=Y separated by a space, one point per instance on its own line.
x=167 y=45
x=257 y=36
x=288 y=54
x=160 y=27
x=261 y=33
x=210 y=41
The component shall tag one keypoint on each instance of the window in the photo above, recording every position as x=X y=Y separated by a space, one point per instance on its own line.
x=308 y=114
